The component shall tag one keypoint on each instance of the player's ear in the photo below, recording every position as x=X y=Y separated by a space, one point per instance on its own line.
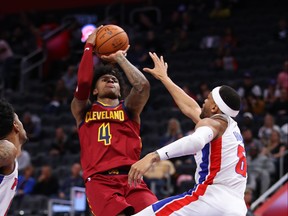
x=16 y=127
x=95 y=92
x=214 y=108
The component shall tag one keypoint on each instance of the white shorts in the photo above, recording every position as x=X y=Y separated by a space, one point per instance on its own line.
x=210 y=201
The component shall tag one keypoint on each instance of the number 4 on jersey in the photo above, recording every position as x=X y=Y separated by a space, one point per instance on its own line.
x=104 y=134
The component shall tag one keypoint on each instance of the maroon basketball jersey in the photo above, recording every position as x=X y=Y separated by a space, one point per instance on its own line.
x=108 y=139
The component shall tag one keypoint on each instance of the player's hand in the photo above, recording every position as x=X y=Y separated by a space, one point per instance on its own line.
x=139 y=168
x=160 y=67
x=116 y=57
x=92 y=37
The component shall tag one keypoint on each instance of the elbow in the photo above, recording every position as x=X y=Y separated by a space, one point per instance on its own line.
x=143 y=86
x=146 y=85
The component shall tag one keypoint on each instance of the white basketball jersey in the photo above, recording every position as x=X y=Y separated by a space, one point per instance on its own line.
x=8 y=185
x=223 y=161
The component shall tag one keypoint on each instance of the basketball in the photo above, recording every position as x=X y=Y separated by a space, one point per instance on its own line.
x=110 y=39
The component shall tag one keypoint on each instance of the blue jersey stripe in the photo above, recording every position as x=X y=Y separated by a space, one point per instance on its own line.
x=205 y=163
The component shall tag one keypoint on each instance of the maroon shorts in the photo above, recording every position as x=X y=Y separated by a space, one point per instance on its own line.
x=109 y=195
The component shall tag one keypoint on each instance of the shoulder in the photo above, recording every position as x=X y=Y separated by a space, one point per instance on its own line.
x=8 y=154
x=218 y=126
x=210 y=122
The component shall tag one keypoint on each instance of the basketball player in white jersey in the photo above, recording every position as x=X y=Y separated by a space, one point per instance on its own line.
x=217 y=146
x=12 y=137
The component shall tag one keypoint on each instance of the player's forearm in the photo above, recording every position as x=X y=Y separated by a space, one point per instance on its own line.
x=186 y=104
x=85 y=74
x=135 y=77
x=187 y=145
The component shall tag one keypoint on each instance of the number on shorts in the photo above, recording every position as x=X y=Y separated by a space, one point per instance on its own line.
x=104 y=134
x=241 y=166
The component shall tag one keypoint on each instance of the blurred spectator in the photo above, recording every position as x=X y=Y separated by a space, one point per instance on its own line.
x=270 y=93
x=70 y=78
x=32 y=125
x=173 y=133
x=138 y=54
x=281 y=33
x=159 y=178
x=229 y=61
x=144 y=22
x=47 y=184
x=260 y=168
x=6 y=63
x=284 y=134
x=250 y=141
x=279 y=107
x=248 y=87
x=24 y=160
x=57 y=96
x=62 y=92
x=220 y=10
x=229 y=39
x=265 y=131
x=153 y=43
x=204 y=89
x=282 y=77
x=187 y=22
x=60 y=142
x=248 y=121
x=181 y=42
x=211 y=40
x=26 y=181
x=74 y=180
x=248 y=197
x=275 y=150
x=255 y=104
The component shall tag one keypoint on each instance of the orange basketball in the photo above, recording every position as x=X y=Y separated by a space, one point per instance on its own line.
x=110 y=39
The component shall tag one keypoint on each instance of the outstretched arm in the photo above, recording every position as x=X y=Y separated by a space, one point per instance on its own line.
x=84 y=79
x=206 y=131
x=186 y=104
x=140 y=91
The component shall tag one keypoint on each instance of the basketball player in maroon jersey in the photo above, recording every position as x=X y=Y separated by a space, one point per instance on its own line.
x=109 y=132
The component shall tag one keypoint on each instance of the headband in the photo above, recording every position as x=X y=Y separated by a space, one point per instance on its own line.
x=221 y=104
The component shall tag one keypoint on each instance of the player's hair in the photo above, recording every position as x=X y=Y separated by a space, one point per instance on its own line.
x=112 y=70
x=227 y=99
x=230 y=97
x=6 y=118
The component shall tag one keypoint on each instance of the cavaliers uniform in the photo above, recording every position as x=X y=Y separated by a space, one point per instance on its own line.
x=8 y=185
x=220 y=180
x=110 y=144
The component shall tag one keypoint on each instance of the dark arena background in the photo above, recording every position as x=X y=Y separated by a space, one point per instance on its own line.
x=206 y=43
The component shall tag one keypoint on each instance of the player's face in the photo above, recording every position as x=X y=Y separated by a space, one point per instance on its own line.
x=22 y=133
x=107 y=86
x=18 y=126
x=207 y=106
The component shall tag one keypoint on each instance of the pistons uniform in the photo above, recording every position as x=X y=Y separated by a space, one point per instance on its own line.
x=110 y=144
x=220 y=180
x=8 y=185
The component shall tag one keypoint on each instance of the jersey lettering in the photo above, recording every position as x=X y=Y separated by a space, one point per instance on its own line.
x=241 y=166
x=14 y=184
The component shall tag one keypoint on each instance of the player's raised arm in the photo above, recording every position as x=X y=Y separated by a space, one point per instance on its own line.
x=186 y=104
x=140 y=91
x=84 y=79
